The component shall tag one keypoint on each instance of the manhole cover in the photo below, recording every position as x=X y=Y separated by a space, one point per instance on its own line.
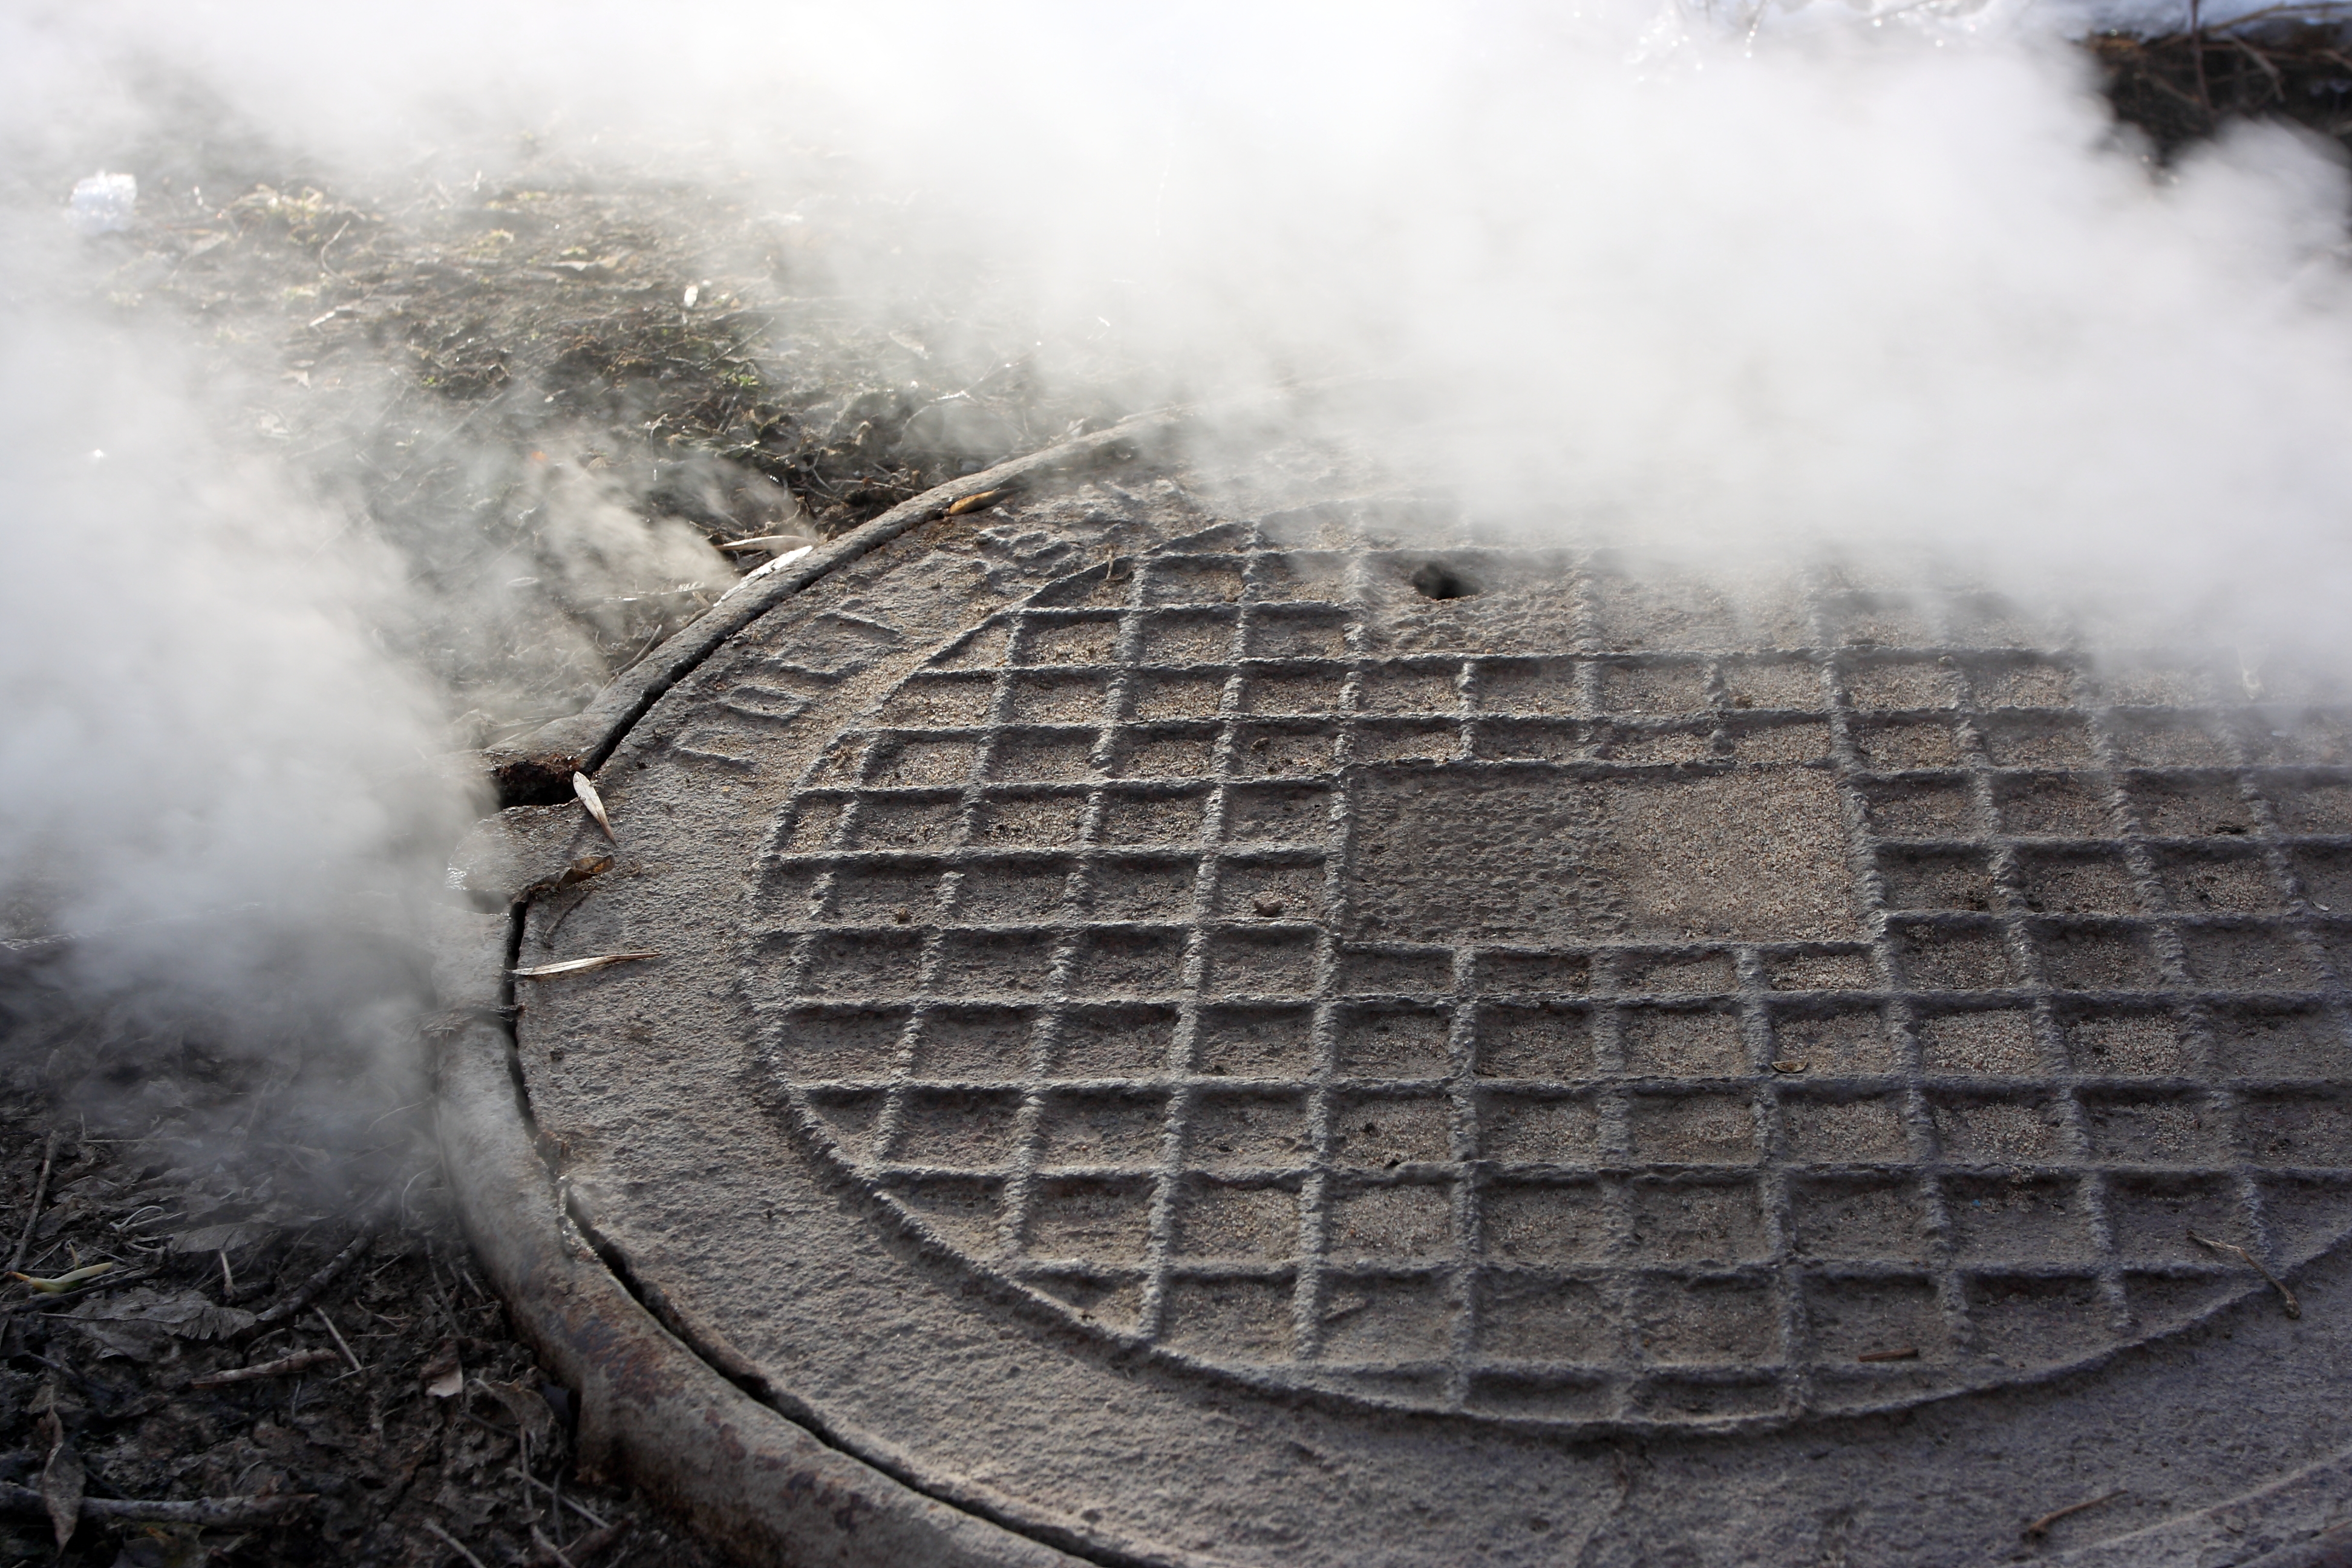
x=1122 y=969
x=1665 y=1035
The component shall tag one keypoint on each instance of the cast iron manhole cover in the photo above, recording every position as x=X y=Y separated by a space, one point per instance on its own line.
x=1320 y=1039
x=1480 y=982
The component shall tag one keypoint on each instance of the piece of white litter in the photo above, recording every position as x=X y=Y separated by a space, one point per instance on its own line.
x=768 y=542
x=594 y=802
x=786 y=559
x=102 y=203
x=578 y=966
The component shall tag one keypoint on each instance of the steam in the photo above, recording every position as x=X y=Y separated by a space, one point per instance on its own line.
x=198 y=715
x=1792 y=279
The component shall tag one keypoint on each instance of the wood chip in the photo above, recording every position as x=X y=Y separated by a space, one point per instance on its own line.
x=594 y=802
x=974 y=503
x=1789 y=1064
x=578 y=966
x=2041 y=1527
x=300 y=1361
x=583 y=869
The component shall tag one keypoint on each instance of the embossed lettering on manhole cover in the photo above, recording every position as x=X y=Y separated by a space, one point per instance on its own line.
x=1480 y=1007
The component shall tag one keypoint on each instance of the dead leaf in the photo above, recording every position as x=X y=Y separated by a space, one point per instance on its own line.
x=583 y=869
x=219 y=1237
x=579 y=965
x=444 y=1376
x=61 y=1481
x=528 y=1406
x=131 y=1342
x=140 y=1323
x=594 y=802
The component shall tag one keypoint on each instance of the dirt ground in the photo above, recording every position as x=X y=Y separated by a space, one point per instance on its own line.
x=187 y=1197
x=460 y=362
x=550 y=393
x=2181 y=87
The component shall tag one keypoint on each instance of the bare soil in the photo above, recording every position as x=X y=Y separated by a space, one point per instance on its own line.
x=528 y=388
x=201 y=1180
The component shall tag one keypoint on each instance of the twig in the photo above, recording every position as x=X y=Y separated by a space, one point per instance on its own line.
x=2294 y=1307
x=40 y=1191
x=540 y=1539
x=2197 y=54
x=2041 y=1527
x=222 y=1511
x=2171 y=92
x=316 y=1282
x=637 y=657
x=299 y=1361
x=2272 y=13
x=594 y=1544
x=341 y=1343
x=580 y=1509
x=2278 y=86
x=330 y=246
x=454 y=1545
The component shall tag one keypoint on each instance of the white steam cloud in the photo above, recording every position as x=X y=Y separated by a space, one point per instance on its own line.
x=198 y=717
x=1778 y=280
